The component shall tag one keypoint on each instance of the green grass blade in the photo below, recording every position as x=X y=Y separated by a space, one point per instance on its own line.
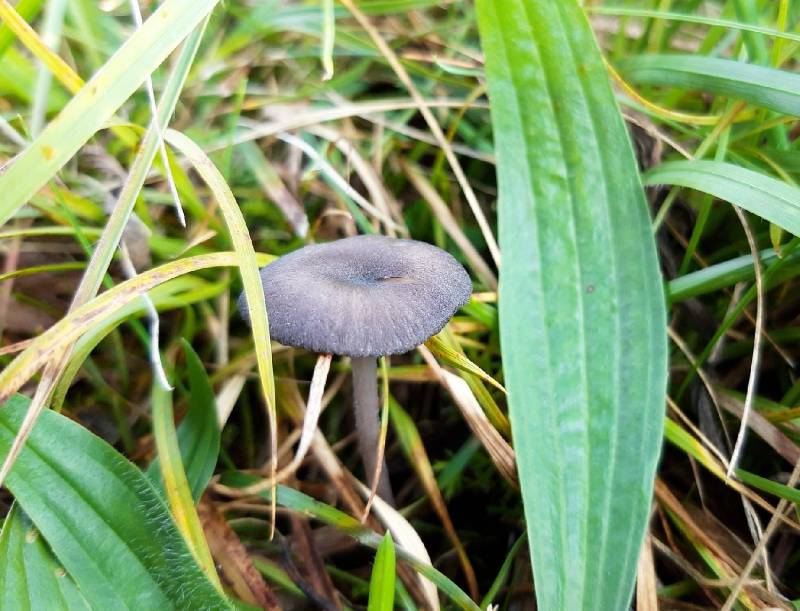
x=767 y=485
x=30 y=577
x=582 y=317
x=764 y=196
x=198 y=433
x=97 y=101
x=722 y=275
x=777 y=90
x=619 y=11
x=101 y=517
x=248 y=268
x=148 y=147
x=382 y=582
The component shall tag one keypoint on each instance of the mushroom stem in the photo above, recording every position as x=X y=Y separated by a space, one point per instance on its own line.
x=367 y=412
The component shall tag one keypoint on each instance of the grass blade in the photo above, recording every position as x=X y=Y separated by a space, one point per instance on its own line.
x=248 y=267
x=764 y=196
x=97 y=101
x=199 y=431
x=176 y=485
x=28 y=36
x=777 y=90
x=307 y=506
x=578 y=295
x=82 y=320
x=381 y=584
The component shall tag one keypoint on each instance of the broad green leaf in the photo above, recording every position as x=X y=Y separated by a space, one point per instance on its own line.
x=97 y=101
x=30 y=577
x=582 y=317
x=764 y=196
x=381 y=584
x=778 y=90
x=198 y=433
x=101 y=517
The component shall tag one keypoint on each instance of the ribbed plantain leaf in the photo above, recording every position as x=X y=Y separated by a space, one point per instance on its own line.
x=582 y=315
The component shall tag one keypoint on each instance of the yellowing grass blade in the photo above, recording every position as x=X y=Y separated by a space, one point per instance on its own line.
x=80 y=321
x=445 y=353
x=28 y=36
x=97 y=101
x=248 y=267
x=176 y=485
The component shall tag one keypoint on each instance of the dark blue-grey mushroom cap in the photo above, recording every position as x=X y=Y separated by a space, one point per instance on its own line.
x=362 y=296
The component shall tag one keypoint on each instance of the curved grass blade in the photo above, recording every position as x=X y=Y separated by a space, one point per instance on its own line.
x=764 y=196
x=582 y=317
x=382 y=582
x=101 y=517
x=82 y=320
x=97 y=101
x=443 y=352
x=248 y=268
x=30 y=577
x=778 y=90
x=175 y=294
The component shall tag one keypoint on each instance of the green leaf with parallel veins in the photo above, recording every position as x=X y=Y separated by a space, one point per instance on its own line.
x=582 y=315
x=102 y=518
x=30 y=577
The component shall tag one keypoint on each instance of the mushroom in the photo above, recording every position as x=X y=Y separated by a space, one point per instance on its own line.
x=363 y=297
